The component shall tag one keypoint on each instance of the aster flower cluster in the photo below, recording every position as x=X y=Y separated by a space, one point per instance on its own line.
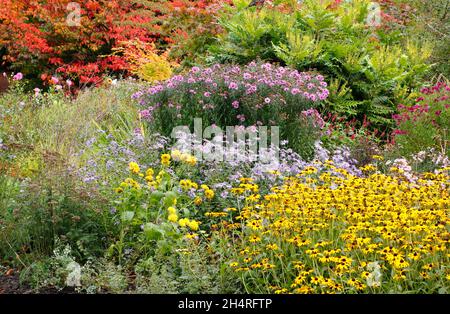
x=269 y=166
x=317 y=119
x=229 y=95
x=251 y=78
x=104 y=157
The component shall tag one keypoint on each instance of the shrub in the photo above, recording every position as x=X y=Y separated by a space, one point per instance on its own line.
x=425 y=124
x=429 y=21
x=38 y=40
x=193 y=27
x=145 y=61
x=369 y=68
x=252 y=95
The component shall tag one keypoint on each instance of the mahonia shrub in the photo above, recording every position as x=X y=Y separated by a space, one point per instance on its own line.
x=370 y=68
x=425 y=124
x=226 y=95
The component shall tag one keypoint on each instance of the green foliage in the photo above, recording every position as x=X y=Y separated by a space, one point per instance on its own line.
x=370 y=69
x=148 y=207
x=251 y=35
x=55 y=124
x=40 y=199
x=430 y=21
x=47 y=208
x=144 y=227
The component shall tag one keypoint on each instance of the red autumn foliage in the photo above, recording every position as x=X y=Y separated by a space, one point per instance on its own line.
x=38 y=40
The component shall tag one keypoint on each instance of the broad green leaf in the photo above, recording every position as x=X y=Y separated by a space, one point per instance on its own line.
x=127 y=216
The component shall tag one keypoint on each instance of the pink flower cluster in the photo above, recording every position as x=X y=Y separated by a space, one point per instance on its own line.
x=430 y=106
x=439 y=87
x=257 y=84
x=18 y=76
x=434 y=99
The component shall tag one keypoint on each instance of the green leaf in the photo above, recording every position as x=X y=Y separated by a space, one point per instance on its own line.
x=153 y=231
x=127 y=216
x=170 y=198
x=186 y=212
x=156 y=196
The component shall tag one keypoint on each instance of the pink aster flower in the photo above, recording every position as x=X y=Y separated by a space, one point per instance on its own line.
x=295 y=91
x=18 y=77
x=233 y=85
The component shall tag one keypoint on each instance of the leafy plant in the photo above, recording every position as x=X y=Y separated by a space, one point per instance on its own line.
x=145 y=61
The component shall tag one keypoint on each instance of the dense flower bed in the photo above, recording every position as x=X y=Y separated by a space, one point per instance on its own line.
x=323 y=233
x=248 y=150
x=225 y=95
x=239 y=86
x=322 y=230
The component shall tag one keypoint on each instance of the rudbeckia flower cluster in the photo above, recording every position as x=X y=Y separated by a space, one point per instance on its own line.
x=323 y=233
